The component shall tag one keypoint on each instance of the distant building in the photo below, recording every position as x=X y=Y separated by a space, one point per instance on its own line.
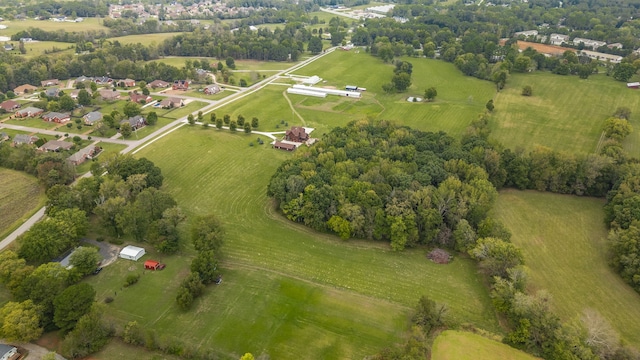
x=9 y=105
x=127 y=83
x=140 y=98
x=284 y=146
x=92 y=118
x=558 y=39
x=50 y=82
x=103 y=80
x=24 y=139
x=136 y=122
x=614 y=59
x=56 y=117
x=24 y=89
x=594 y=44
x=159 y=84
x=615 y=46
x=526 y=33
x=181 y=85
x=84 y=154
x=171 y=102
x=56 y=146
x=109 y=95
x=296 y=134
x=633 y=85
x=29 y=112
x=52 y=92
x=212 y=89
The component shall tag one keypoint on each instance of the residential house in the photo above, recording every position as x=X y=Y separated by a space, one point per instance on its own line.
x=181 y=85
x=83 y=78
x=56 y=117
x=9 y=105
x=109 y=95
x=615 y=46
x=614 y=59
x=127 y=83
x=24 y=139
x=158 y=84
x=103 y=80
x=284 y=146
x=29 y=112
x=296 y=134
x=24 y=89
x=84 y=154
x=52 y=92
x=171 y=102
x=26 y=39
x=558 y=39
x=594 y=44
x=8 y=47
x=92 y=118
x=56 y=146
x=140 y=98
x=8 y=352
x=201 y=73
x=526 y=33
x=74 y=94
x=136 y=122
x=50 y=82
x=212 y=89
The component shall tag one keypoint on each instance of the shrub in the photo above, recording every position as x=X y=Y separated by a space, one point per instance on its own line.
x=131 y=279
x=69 y=125
x=527 y=91
x=108 y=300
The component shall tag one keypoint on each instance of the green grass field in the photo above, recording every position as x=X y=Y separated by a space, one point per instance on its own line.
x=41 y=47
x=457 y=345
x=144 y=38
x=20 y=196
x=565 y=113
x=34 y=122
x=563 y=239
x=16 y=26
x=287 y=290
x=116 y=349
x=107 y=149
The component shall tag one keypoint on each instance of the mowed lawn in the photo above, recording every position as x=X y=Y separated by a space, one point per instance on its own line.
x=460 y=98
x=20 y=196
x=563 y=239
x=287 y=290
x=15 y=26
x=458 y=345
x=145 y=39
x=565 y=113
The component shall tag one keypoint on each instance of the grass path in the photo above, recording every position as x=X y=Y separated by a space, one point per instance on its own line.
x=563 y=239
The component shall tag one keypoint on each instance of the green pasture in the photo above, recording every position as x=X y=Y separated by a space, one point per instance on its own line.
x=20 y=196
x=38 y=48
x=145 y=39
x=16 y=26
x=458 y=345
x=563 y=239
x=460 y=98
x=34 y=122
x=565 y=113
x=117 y=349
x=287 y=290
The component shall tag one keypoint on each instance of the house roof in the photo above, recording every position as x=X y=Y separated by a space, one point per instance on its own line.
x=133 y=121
x=151 y=263
x=55 y=115
x=93 y=116
x=52 y=91
x=297 y=131
x=138 y=97
x=159 y=83
x=54 y=145
x=5 y=349
x=80 y=155
x=24 y=139
x=29 y=109
x=283 y=145
x=108 y=93
x=24 y=87
x=9 y=105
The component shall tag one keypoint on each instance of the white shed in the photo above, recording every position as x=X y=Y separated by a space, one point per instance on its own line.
x=132 y=252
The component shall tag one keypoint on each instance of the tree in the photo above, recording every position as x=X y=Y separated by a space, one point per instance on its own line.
x=89 y=336
x=206 y=233
x=133 y=333
x=233 y=126
x=527 y=90
x=490 y=105
x=219 y=123
x=497 y=256
x=131 y=109
x=200 y=116
x=230 y=63
x=152 y=118
x=622 y=112
x=191 y=120
x=10 y=94
x=247 y=356
x=20 y=321
x=85 y=260
x=255 y=122
x=401 y=81
x=240 y=120
x=315 y=45
x=212 y=118
x=428 y=314
x=623 y=71
x=227 y=119
x=205 y=265
x=93 y=86
x=84 y=98
x=617 y=128
x=52 y=236
x=430 y=93
x=73 y=303
x=126 y=129
x=145 y=91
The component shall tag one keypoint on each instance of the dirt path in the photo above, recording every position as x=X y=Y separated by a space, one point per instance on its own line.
x=293 y=110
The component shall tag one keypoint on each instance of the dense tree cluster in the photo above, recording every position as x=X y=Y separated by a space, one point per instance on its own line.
x=49 y=167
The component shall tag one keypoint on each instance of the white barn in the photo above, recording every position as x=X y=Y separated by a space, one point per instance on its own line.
x=131 y=252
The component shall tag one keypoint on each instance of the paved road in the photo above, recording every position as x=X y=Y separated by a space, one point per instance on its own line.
x=141 y=143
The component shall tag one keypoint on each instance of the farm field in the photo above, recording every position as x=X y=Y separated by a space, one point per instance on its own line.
x=144 y=38
x=38 y=48
x=565 y=113
x=20 y=196
x=563 y=239
x=16 y=26
x=460 y=98
x=458 y=345
x=306 y=282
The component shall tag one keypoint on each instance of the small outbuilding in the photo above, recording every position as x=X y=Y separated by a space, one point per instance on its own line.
x=153 y=265
x=8 y=352
x=633 y=85
x=131 y=252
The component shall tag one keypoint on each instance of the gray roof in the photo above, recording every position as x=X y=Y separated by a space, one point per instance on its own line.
x=93 y=116
x=23 y=138
x=52 y=91
x=54 y=114
x=55 y=145
x=29 y=109
x=133 y=121
x=4 y=349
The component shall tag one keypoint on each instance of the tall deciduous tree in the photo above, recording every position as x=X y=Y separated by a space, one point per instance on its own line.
x=84 y=260
x=207 y=233
x=20 y=321
x=430 y=93
x=73 y=303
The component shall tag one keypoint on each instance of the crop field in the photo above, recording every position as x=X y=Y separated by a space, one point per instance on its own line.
x=20 y=196
x=565 y=113
x=16 y=26
x=286 y=289
x=563 y=239
x=145 y=39
x=457 y=345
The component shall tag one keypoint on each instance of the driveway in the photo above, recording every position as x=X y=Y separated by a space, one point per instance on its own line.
x=108 y=252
